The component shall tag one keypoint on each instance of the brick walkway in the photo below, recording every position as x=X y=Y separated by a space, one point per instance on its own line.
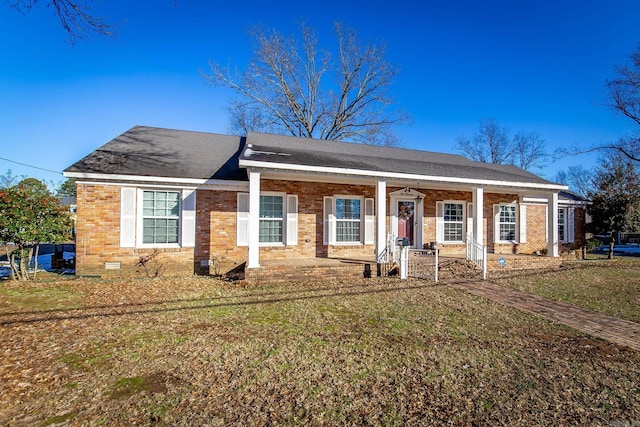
x=616 y=330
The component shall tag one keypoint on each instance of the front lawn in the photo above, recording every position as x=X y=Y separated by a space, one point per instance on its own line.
x=611 y=287
x=196 y=351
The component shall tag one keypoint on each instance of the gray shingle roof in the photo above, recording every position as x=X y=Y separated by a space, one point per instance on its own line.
x=158 y=152
x=149 y=151
x=310 y=152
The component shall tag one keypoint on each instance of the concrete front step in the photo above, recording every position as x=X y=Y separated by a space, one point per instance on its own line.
x=289 y=273
x=449 y=268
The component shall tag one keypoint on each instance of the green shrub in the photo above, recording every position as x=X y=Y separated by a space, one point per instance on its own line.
x=593 y=243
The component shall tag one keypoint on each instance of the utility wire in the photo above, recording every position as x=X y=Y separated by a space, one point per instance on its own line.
x=31 y=166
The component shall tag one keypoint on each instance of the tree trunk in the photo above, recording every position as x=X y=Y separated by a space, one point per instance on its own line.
x=35 y=261
x=11 y=257
x=612 y=243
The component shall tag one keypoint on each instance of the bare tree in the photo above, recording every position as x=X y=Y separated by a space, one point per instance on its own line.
x=529 y=150
x=624 y=97
x=579 y=180
x=9 y=179
x=74 y=15
x=291 y=86
x=492 y=144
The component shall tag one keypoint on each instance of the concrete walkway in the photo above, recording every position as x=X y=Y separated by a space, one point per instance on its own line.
x=612 y=329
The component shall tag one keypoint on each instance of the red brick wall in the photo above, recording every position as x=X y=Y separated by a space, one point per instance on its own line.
x=98 y=239
x=310 y=221
x=216 y=232
x=490 y=199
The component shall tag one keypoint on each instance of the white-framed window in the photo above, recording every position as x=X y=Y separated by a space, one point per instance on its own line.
x=271 y=218
x=278 y=219
x=566 y=223
x=157 y=217
x=562 y=224
x=451 y=221
x=506 y=222
x=160 y=217
x=348 y=219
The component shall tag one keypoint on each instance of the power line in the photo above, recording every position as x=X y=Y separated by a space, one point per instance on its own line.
x=30 y=166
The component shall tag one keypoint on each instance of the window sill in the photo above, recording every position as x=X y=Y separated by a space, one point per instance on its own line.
x=159 y=246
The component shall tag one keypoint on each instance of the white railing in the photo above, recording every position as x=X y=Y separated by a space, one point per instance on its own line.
x=422 y=263
x=391 y=252
x=477 y=253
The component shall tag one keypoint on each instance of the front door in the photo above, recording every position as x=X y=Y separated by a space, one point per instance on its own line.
x=406 y=219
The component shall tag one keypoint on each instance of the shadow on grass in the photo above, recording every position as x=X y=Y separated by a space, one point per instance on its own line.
x=244 y=300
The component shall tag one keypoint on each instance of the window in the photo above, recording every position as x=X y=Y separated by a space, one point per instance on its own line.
x=562 y=224
x=348 y=220
x=450 y=221
x=453 y=221
x=566 y=224
x=157 y=218
x=160 y=216
x=271 y=219
x=277 y=220
x=507 y=223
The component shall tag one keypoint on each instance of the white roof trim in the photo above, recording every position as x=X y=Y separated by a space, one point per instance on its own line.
x=358 y=172
x=157 y=179
x=544 y=201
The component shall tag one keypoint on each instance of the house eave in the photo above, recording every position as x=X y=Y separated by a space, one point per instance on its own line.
x=563 y=202
x=390 y=176
x=219 y=184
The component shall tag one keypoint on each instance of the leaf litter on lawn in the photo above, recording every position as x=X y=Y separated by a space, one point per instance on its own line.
x=196 y=351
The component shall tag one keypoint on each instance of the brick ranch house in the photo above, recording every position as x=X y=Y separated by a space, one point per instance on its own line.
x=255 y=201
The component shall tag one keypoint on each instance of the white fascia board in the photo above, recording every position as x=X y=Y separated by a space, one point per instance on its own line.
x=564 y=202
x=392 y=175
x=220 y=184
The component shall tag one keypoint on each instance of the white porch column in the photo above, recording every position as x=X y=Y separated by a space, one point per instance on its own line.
x=478 y=212
x=254 y=220
x=552 y=223
x=381 y=218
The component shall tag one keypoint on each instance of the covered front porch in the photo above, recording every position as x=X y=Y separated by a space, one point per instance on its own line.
x=449 y=267
x=426 y=213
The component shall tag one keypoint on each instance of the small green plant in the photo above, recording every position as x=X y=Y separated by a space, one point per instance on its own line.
x=152 y=265
x=593 y=243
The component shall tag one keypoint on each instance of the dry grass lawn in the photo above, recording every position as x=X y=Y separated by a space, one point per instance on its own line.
x=611 y=287
x=195 y=351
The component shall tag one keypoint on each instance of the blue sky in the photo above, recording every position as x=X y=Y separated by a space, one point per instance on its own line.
x=532 y=65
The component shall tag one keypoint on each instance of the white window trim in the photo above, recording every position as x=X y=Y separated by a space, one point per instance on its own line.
x=442 y=222
x=140 y=220
x=569 y=224
x=563 y=238
x=362 y=220
x=283 y=219
x=496 y=224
